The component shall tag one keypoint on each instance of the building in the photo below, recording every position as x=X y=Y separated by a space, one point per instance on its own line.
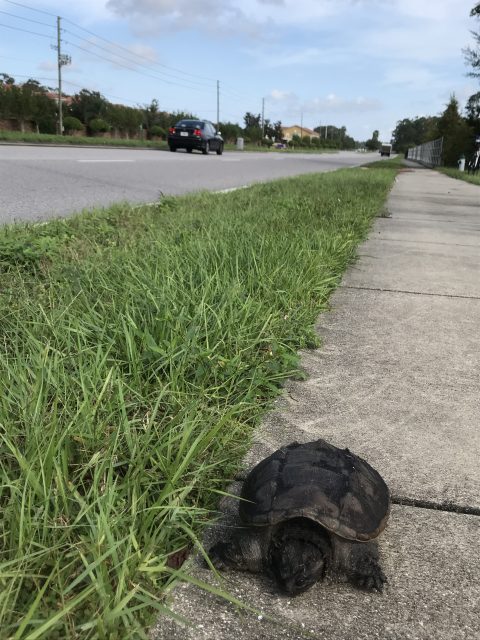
x=297 y=130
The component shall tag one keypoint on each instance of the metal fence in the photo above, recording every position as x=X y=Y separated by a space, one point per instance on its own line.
x=429 y=153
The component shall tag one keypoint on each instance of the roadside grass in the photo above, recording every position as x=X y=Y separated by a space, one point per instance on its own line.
x=460 y=175
x=139 y=348
x=43 y=138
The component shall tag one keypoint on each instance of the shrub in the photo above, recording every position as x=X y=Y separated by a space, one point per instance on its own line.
x=157 y=131
x=98 y=125
x=72 y=124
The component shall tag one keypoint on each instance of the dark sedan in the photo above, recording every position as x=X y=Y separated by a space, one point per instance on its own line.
x=195 y=134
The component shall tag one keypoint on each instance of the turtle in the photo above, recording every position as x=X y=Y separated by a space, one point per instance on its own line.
x=307 y=509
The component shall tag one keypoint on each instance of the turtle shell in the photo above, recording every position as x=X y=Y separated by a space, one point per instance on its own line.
x=316 y=480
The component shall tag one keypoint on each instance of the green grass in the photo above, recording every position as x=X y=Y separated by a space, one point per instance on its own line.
x=44 y=138
x=460 y=175
x=139 y=347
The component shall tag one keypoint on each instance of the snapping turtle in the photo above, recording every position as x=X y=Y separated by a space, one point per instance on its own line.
x=309 y=508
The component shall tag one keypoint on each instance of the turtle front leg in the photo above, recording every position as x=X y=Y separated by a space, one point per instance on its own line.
x=246 y=551
x=361 y=565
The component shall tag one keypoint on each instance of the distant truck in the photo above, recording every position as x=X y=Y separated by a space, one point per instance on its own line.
x=386 y=150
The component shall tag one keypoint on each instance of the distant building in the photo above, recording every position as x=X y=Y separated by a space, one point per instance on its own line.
x=297 y=130
x=67 y=100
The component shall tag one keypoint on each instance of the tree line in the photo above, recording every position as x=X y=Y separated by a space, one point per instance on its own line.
x=32 y=103
x=459 y=129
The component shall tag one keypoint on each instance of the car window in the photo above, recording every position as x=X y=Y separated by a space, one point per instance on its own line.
x=196 y=124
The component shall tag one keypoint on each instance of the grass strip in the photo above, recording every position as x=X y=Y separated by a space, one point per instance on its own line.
x=53 y=139
x=139 y=347
x=473 y=178
x=47 y=138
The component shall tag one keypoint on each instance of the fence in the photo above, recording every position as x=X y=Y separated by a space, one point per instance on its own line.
x=429 y=153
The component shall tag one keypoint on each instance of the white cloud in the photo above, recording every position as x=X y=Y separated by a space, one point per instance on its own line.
x=282 y=96
x=336 y=104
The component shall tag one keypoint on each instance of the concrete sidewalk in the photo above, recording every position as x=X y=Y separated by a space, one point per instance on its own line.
x=397 y=381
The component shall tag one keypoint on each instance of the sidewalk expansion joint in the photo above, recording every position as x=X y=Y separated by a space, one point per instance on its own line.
x=449 y=507
x=442 y=244
x=413 y=293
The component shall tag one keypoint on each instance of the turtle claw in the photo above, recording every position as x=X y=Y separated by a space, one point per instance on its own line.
x=216 y=555
x=368 y=575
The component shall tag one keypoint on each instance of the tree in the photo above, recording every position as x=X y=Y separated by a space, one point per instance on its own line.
x=87 y=105
x=336 y=137
x=412 y=132
x=472 y=109
x=472 y=56
x=252 y=121
x=125 y=121
x=230 y=131
x=373 y=144
x=457 y=134
x=5 y=79
x=253 y=127
x=273 y=130
x=150 y=114
x=27 y=104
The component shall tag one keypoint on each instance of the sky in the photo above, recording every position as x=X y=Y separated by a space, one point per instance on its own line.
x=362 y=64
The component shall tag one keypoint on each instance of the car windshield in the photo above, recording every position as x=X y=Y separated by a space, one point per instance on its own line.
x=196 y=124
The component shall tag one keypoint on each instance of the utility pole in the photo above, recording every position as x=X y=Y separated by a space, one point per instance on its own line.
x=62 y=60
x=218 y=104
x=263 y=118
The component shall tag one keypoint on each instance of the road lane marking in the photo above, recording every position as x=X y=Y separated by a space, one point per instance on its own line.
x=106 y=160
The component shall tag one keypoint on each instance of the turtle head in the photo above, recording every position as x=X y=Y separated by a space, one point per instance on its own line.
x=299 y=555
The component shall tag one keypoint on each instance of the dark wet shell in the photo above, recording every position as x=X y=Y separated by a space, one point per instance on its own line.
x=316 y=480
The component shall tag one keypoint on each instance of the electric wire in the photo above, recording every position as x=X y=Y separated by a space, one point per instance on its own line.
x=129 y=60
x=24 y=6
x=73 y=84
x=13 y=15
x=139 y=55
x=225 y=89
x=35 y=33
x=143 y=73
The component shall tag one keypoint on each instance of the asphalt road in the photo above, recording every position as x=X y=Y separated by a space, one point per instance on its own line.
x=37 y=183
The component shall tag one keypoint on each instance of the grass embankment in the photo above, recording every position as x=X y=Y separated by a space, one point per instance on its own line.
x=138 y=349
x=45 y=138
x=460 y=175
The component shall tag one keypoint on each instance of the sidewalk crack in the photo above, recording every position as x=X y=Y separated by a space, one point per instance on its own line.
x=449 y=507
x=413 y=293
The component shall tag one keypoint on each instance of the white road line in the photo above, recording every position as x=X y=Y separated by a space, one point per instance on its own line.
x=105 y=160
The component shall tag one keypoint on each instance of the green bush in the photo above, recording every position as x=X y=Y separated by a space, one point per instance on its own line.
x=98 y=125
x=72 y=124
x=157 y=131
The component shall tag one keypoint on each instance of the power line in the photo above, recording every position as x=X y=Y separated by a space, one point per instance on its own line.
x=73 y=84
x=13 y=15
x=139 y=55
x=230 y=92
x=129 y=60
x=43 y=35
x=143 y=73
x=24 y=6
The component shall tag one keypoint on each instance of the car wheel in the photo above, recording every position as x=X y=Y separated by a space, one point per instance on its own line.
x=220 y=150
x=189 y=150
x=172 y=148
x=206 y=148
